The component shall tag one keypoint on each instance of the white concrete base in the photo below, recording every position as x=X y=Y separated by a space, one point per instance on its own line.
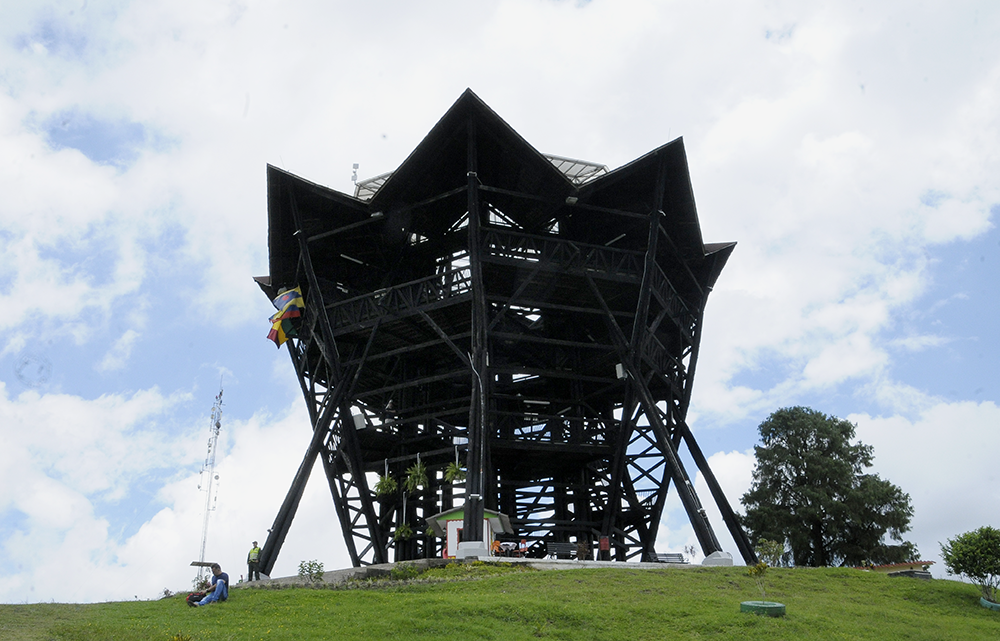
x=720 y=559
x=467 y=549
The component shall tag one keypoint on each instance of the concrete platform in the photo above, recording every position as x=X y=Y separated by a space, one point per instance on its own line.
x=335 y=577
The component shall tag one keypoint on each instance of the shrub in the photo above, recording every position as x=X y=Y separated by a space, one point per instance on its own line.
x=311 y=571
x=404 y=571
x=769 y=553
x=976 y=555
x=757 y=572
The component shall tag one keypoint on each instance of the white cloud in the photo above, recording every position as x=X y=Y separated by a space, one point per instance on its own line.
x=918 y=342
x=852 y=356
x=57 y=476
x=823 y=189
x=65 y=459
x=899 y=398
x=118 y=355
x=72 y=237
x=733 y=471
x=945 y=458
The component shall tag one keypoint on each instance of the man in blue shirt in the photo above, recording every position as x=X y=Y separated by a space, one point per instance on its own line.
x=220 y=586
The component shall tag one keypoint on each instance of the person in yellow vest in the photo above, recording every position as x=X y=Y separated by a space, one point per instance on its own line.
x=253 y=569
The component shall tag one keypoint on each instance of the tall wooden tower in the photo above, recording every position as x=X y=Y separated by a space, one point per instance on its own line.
x=535 y=316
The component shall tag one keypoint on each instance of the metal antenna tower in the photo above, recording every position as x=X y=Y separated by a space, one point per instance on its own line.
x=209 y=468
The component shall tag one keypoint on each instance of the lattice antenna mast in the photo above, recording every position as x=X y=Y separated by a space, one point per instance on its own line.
x=210 y=487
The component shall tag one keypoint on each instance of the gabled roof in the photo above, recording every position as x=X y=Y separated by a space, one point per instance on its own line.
x=498 y=521
x=425 y=196
x=505 y=159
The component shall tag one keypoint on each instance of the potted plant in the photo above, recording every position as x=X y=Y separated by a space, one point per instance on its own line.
x=386 y=486
x=769 y=553
x=454 y=473
x=403 y=532
x=416 y=476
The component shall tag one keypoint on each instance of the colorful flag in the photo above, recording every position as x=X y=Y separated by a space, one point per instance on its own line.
x=289 y=305
x=281 y=331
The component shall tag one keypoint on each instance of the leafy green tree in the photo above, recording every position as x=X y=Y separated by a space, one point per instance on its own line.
x=976 y=555
x=810 y=493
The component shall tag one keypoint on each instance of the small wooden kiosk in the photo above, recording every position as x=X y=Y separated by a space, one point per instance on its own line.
x=448 y=525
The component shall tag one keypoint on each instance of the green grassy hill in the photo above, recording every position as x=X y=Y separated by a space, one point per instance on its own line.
x=481 y=601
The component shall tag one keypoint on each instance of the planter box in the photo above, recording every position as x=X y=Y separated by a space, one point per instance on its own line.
x=989 y=605
x=766 y=608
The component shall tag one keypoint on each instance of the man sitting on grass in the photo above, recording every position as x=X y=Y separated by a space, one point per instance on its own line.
x=220 y=586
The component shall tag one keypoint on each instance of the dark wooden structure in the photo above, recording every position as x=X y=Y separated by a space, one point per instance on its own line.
x=537 y=317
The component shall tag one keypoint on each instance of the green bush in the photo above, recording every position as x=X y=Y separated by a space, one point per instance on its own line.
x=757 y=572
x=976 y=555
x=311 y=571
x=404 y=571
x=769 y=553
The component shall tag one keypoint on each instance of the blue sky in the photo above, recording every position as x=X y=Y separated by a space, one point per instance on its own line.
x=851 y=150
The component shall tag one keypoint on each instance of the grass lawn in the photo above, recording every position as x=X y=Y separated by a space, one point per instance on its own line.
x=478 y=602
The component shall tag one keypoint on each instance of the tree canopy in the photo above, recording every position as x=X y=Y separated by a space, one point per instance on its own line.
x=810 y=493
x=976 y=555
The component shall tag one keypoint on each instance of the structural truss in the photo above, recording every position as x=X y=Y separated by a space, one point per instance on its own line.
x=536 y=318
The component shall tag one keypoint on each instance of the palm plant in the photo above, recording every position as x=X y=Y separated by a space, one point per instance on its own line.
x=454 y=473
x=386 y=485
x=416 y=476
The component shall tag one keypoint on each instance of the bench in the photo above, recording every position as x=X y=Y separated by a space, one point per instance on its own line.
x=670 y=557
x=560 y=550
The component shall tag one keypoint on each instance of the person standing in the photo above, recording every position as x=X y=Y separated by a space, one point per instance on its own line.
x=220 y=587
x=253 y=560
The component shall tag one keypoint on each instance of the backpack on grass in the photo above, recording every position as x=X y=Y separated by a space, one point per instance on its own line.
x=194 y=597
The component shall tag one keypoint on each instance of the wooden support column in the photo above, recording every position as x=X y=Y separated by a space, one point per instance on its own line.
x=325 y=430
x=696 y=514
x=475 y=483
